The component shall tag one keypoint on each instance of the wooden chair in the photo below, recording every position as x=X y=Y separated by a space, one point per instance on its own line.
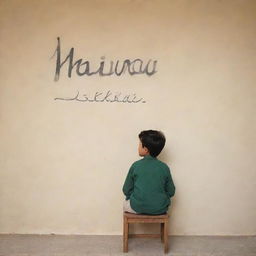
x=163 y=220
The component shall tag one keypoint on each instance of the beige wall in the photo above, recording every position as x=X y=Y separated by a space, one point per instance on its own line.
x=63 y=163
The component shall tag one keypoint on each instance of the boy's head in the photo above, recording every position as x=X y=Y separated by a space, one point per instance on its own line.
x=152 y=143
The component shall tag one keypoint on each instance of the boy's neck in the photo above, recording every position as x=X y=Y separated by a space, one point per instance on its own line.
x=148 y=156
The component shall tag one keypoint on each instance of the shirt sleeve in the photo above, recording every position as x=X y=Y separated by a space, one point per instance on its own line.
x=169 y=185
x=129 y=183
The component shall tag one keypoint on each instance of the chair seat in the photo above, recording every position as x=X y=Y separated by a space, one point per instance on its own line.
x=145 y=216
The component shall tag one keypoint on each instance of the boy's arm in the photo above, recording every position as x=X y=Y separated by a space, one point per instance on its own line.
x=128 y=184
x=169 y=185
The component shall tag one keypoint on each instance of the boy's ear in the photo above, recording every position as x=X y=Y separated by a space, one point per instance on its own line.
x=146 y=149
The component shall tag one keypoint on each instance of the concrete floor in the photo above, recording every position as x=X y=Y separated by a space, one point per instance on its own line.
x=77 y=245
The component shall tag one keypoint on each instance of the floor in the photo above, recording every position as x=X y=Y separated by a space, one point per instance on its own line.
x=78 y=245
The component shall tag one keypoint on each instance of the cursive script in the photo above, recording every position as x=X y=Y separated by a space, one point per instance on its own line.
x=118 y=68
x=108 y=96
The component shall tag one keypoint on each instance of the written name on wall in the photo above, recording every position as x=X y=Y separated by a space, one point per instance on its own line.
x=117 y=68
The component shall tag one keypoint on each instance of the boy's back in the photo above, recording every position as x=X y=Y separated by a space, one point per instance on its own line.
x=149 y=186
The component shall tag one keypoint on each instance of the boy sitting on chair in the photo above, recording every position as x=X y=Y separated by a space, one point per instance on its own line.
x=149 y=185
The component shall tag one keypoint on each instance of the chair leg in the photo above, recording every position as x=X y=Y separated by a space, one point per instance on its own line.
x=166 y=236
x=162 y=232
x=125 y=235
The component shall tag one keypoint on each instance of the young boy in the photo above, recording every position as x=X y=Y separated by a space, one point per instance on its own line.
x=148 y=185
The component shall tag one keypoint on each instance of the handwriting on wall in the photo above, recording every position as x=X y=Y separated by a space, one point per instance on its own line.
x=83 y=67
x=108 y=96
x=67 y=65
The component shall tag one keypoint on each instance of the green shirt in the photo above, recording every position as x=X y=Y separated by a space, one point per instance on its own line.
x=149 y=186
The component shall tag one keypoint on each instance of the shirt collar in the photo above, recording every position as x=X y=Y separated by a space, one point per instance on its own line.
x=149 y=157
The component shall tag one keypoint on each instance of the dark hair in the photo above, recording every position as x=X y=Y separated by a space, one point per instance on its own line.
x=154 y=141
